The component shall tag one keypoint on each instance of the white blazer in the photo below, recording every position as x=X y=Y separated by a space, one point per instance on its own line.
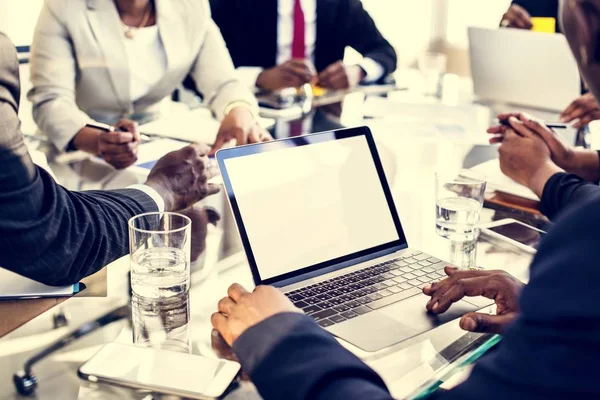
x=80 y=73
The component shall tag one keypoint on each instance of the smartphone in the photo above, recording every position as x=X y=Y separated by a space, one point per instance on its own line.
x=160 y=371
x=521 y=235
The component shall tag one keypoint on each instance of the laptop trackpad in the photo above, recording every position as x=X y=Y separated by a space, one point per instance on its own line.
x=393 y=324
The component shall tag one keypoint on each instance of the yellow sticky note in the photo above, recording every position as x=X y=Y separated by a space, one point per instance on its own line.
x=544 y=25
x=318 y=91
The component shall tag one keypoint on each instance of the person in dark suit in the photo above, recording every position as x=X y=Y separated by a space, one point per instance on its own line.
x=291 y=42
x=551 y=336
x=57 y=237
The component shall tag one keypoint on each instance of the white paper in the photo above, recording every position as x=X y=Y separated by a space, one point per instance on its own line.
x=17 y=286
x=499 y=182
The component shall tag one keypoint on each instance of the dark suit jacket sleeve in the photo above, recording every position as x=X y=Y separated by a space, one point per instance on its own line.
x=549 y=352
x=563 y=191
x=364 y=37
x=48 y=233
x=540 y=8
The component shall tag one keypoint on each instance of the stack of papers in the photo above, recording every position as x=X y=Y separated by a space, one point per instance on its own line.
x=14 y=286
x=499 y=182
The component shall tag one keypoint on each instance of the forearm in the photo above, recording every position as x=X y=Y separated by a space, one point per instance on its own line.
x=289 y=356
x=57 y=237
x=586 y=164
x=564 y=191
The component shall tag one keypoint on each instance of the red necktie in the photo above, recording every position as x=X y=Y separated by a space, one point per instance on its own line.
x=299 y=40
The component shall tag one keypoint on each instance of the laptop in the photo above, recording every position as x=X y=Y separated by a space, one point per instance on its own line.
x=524 y=68
x=317 y=220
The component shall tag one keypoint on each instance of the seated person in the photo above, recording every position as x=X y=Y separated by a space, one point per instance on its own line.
x=57 y=237
x=549 y=349
x=287 y=43
x=583 y=110
x=535 y=156
x=114 y=61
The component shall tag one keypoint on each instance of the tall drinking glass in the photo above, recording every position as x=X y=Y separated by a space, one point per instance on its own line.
x=459 y=200
x=433 y=67
x=160 y=245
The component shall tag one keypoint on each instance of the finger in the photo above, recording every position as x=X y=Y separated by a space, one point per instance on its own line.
x=201 y=148
x=210 y=171
x=221 y=324
x=497 y=129
x=523 y=19
x=496 y=140
x=110 y=148
x=547 y=134
x=299 y=70
x=226 y=305
x=328 y=72
x=128 y=125
x=266 y=136
x=520 y=128
x=254 y=135
x=484 y=323
x=236 y=291
x=475 y=286
x=452 y=271
x=116 y=137
x=219 y=143
x=566 y=114
x=211 y=189
x=505 y=116
x=577 y=112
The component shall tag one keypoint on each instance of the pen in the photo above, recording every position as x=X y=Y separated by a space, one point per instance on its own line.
x=107 y=128
x=551 y=125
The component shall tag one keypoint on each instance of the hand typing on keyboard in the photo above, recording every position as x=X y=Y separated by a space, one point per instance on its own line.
x=500 y=286
x=347 y=296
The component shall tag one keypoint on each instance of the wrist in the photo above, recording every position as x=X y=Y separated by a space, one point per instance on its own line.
x=538 y=180
x=164 y=192
x=87 y=140
x=586 y=163
x=243 y=107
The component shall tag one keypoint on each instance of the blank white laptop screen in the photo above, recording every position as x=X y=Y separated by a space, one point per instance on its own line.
x=309 y=204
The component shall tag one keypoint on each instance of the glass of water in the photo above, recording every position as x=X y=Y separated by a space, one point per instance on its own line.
x=459 y=200
x=433 y=67
x=159 y=245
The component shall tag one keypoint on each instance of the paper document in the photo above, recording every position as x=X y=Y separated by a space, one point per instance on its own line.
x=197 y=125
x=499 y=182
x=16 y=286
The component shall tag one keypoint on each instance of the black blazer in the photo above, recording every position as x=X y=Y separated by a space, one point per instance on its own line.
x=47 y=232
x=250 y=31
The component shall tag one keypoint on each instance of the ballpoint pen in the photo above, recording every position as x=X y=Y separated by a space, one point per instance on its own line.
x=551 y=125
x=144 y=138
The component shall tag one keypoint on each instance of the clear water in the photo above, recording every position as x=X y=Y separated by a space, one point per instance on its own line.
x=456 y=218
x=162 y=323
x=160 y=272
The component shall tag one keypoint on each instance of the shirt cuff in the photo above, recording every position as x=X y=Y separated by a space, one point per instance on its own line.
x=249 y=75
x=373 y=70
x=153 y=194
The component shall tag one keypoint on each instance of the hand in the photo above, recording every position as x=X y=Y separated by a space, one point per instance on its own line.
x=340 y=76
x=585 y=108
x=582 y=162
x=242 y=310
x=524 y=156
x=292 y=73
x=500 y=286
x=240 y=125
x=119 y=148
x=201 y=216
x=516 y=17
x=181 y=177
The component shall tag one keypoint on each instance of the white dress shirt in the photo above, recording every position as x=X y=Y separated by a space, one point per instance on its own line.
x=147 y=61
x=153 y=194
x=285 y=36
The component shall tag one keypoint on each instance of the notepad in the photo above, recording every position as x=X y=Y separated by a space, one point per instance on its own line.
x=15 y=286
x=496 y=180
x=543 y=24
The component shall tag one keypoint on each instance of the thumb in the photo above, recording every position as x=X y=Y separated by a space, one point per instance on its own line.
x=485 y=323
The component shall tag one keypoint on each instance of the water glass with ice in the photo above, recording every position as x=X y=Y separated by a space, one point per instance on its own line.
x=160 y=245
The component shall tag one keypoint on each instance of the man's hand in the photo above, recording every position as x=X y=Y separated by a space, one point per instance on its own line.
x=516 y=17
x=119 y=148
x=503 y=288
x=181 y=177
x=340 y=76
x=240 y=125
x=292 y=73
x=200 y=216
x=242 y=310
x=524 y=156
x=585 y=108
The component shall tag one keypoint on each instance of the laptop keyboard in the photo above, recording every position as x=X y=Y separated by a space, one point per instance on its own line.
x=348 y=296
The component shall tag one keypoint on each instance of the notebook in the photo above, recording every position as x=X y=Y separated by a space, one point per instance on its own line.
x=15 y=286
x=496 y=180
